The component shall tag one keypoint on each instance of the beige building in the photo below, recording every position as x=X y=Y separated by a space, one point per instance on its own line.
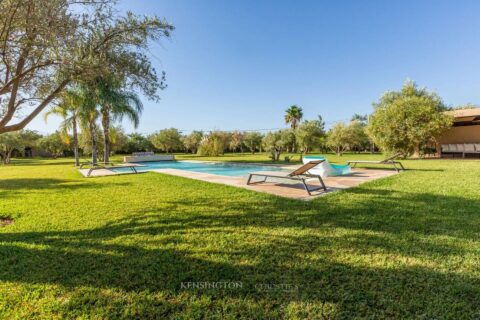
x=463 y=138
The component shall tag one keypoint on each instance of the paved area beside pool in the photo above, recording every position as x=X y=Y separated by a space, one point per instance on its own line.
x=286 y=188
x=279 y=187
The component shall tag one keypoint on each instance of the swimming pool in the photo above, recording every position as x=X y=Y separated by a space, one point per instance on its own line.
x=221 y=168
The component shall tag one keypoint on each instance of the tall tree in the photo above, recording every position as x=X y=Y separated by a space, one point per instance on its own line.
x=293 y=116
x=115 y=104
x=88 y=116
x=47 y=45
x=70 y=103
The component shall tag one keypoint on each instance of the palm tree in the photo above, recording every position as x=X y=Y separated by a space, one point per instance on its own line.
x=293 y=116
x=88 y=116
x=115 y=104
x=69 y=109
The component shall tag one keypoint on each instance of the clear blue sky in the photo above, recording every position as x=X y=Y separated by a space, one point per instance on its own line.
x=240 y=64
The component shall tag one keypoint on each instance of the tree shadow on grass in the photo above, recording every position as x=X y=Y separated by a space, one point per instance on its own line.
x=50 y=183
x=389 y=211
x=40 y=161
x=353 y=290
x=150 y=254
x=10 y=188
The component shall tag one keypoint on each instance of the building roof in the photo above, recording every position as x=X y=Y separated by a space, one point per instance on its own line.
x=465 y=113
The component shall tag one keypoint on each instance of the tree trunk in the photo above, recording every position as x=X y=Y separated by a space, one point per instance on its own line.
x=106 y=135
x=75 y=142
x=8 y=155
x=277 y=153
x=94 y=142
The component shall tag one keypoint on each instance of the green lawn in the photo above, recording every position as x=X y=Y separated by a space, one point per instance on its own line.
x=407 y=246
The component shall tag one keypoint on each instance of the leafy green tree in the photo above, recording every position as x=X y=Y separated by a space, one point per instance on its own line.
x=408 y=121
x=70 y=103
x=339 y=137
x=137 y=142
x=54 y=144
x=293 y=116
x=253 y=141
x=9 y=141
x=309 y=135
x=18 y=140
x=237 y=140
x=276 y=142
x=47 y=45
x=289 y=140
x=88 y=116
x=167 y=140
x=193 y=140
x=359 y=139
x=213 y=144
x=118 y=139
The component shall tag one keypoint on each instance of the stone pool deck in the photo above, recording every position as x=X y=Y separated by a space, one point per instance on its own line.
x=280 y=187
x=286 y=188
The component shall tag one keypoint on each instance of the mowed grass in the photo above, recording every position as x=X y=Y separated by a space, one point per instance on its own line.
x=407 y=246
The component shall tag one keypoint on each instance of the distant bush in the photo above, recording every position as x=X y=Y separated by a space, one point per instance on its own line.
x=137 y=143
x=54 y=144
x=167 y=140
x=253 y=141
x=192 y=141
x=309 y=135
x=277 y=142
x=213 y=144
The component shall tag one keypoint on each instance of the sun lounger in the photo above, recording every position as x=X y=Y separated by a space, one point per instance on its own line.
x=301 y=174
x=107 y=165
x=397 y=165
x=326 y=169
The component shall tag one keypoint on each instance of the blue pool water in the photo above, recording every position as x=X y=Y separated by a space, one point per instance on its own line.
x=223 y=169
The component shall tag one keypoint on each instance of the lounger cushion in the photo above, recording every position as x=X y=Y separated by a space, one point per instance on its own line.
x=325 y=169
x=452 y=147
x=460 y=147
x=469 y=147
x=445 y=148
